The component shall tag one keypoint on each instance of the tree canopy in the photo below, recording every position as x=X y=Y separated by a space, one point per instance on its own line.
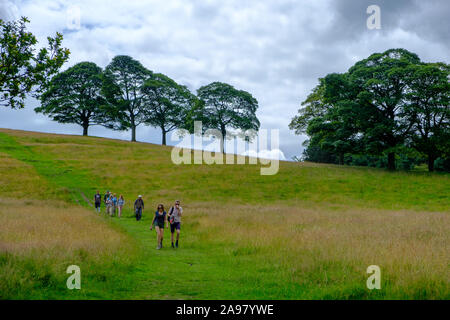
x=384 y=105
x=74 y=96
x=123 y=81
x=167 y=103
x=224 y=107
x=22 y=71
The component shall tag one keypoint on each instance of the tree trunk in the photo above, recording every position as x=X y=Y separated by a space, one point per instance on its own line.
x=431 y=163
x=133 y=127
x=163 y=136
x=222 y=141
x=85 y=127
x=133 y=133
x=391 y=160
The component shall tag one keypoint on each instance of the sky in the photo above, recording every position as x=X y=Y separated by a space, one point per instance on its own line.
x=276 y=50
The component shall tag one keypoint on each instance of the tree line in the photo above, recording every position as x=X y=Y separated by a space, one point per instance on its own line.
x=122 y=96
x=389 y=110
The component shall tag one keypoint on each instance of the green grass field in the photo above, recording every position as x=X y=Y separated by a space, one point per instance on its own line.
x=309 y=232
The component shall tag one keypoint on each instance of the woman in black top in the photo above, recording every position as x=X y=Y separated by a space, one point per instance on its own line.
x=158 y=221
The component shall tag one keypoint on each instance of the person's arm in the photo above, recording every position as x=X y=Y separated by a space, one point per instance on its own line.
x=142 y=205
x=165 y=221
x=153 y=221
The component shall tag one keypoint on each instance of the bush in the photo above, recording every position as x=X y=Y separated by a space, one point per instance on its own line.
x=442 y=165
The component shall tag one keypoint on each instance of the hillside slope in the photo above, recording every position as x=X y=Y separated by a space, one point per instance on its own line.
x=310 y=231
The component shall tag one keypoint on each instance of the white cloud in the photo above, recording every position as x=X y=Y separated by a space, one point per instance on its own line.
x=274 y=154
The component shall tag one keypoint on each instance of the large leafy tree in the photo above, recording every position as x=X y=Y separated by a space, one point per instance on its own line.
x=428 y=109
x=74 y=96
x=381 y=82
x=224 y=107
x=167 y=103
x=23 y=70
x=326 y=117
x=123 y=81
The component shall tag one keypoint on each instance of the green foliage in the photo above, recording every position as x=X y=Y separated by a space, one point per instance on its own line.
x=74 y=96
x=382 y=105
x=428 y=109
x=226 y=107
x=442 y=164
x=21 y=70
x=124 y=78
x=167 y=103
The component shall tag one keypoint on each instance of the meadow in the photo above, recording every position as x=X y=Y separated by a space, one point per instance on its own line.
x=308 y=232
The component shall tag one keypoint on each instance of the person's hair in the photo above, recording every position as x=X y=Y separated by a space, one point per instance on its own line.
x=160 y=206
x=121 y=197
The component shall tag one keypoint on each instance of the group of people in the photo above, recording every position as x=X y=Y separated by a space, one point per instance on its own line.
x=112 y=203
x=161 y=218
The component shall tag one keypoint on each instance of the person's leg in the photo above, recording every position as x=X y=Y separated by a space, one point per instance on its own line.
x=120 y=211
x=158 y=236
x=172 y=230
x=161 y=236
x=178 y=227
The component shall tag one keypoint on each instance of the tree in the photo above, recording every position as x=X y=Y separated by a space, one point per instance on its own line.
x=124 y=78
x=74 y=96
x=226 y=107
x=326 y=117
x=167 y=103
x=381 y=81
x=428 y=109
x=22 y=71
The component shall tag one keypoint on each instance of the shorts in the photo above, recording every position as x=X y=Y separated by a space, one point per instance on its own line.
x=175 y=225
x=97 y=205
x=159 y=224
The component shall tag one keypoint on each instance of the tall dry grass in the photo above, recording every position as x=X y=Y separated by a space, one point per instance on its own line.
x=316 y=247
x=40 y=238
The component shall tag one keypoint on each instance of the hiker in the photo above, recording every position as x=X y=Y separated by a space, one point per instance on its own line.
x=109 y=205
x=138 y=207
x=158 y=221
x=114 y=202
x=97 y=201
x=106 y=197
x=121 y=203
x=175 y=214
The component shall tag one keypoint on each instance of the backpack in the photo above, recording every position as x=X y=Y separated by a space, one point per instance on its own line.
x=171 y=217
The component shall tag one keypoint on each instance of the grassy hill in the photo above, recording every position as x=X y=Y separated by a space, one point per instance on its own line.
x=310 y=231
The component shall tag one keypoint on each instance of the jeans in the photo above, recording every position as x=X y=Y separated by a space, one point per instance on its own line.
x=138 y=214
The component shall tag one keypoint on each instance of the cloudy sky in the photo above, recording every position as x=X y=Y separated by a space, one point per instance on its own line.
x=276 y=49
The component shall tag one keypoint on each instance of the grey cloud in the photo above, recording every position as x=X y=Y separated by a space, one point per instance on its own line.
x=274 y=49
